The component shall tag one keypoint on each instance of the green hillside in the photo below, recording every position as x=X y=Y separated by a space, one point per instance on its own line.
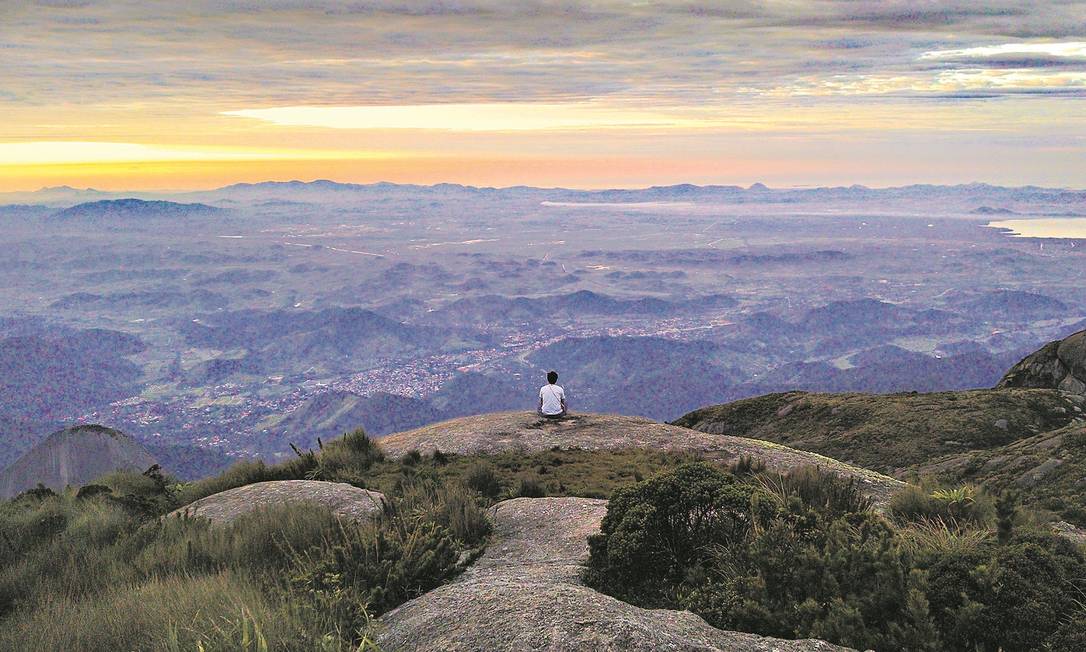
x=891 y=432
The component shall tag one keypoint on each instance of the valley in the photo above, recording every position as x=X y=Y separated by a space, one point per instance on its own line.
x=241 y=320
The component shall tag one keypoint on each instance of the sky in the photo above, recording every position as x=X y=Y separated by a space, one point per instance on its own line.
x=145 y=94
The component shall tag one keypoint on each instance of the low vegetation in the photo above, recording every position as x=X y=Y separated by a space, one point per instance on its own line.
x=796 y=555
x=803 y=556
x=1030 y=440
x=97 y=567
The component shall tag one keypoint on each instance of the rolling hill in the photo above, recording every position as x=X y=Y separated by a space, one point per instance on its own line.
x=1026 y=434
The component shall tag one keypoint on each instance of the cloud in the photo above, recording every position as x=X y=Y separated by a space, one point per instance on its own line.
x=1072 y=49
x=214 y=57
x=513 y=116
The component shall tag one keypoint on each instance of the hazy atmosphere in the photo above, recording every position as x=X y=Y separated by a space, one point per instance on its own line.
x=579 y=326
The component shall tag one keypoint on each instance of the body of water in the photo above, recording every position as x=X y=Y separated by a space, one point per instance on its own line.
x=1046 y=227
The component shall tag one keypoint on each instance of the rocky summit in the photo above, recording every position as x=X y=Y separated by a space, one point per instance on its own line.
x=74 y=456
x=528 y=432
x=1058 y=365
x=525 y=593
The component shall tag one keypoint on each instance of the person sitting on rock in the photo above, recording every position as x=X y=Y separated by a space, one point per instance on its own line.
x=552 y=398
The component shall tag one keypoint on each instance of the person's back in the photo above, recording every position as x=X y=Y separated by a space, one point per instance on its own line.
x=552 y=398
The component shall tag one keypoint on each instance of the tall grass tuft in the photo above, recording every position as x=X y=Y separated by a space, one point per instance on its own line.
x=963 y=506
x=821 y=490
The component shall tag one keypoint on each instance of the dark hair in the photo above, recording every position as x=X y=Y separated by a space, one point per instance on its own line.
x=552 y=377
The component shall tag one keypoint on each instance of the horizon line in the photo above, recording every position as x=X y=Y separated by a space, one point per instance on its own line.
x=757 y=185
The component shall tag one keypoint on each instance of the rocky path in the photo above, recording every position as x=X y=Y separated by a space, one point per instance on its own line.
x=525 y=593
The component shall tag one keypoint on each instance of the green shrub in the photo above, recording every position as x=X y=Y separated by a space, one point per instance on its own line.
x=374 y=567
x=963 y=506
x=804 y=556
x=1011 y=597
x=1070 y=637
x=451 y=505
x=659 y=530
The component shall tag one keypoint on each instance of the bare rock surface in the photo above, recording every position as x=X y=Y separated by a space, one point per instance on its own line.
x=342 y=499
x=1057 y=365
x=526 y=431
x=74 y=456
x=525 y=593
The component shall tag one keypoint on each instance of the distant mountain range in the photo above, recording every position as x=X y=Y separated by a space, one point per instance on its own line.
x=982 y=195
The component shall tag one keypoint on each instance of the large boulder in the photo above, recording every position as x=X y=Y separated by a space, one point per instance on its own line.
x=525 y=593
x=74 y=456
x=1058 y=365
x=528 y=432
x=342 y=499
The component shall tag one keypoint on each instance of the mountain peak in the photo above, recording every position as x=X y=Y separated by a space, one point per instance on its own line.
x=74 y=456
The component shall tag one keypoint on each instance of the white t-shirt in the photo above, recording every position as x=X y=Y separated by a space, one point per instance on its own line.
x=552 y=396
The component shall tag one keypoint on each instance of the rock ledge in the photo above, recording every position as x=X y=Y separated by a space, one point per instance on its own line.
x=342 y=499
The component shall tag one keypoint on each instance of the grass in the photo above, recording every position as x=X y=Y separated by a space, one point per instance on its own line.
x=889 y=431
x=996 y=439
x=289 y=577
x=104 y=571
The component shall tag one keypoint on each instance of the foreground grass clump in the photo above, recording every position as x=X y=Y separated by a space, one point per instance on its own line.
x=803 y=556
x=101 y=570
x=98 y=568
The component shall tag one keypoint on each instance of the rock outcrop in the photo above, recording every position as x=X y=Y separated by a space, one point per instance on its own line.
x=525 y=593
x=1058 y=365
x=526 y=431
x=74 y=456
x=342 y=499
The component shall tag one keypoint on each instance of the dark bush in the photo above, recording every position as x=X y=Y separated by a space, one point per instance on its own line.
x=1010 y=597
x=40 y=492
x=655 y=533
x=92 y=490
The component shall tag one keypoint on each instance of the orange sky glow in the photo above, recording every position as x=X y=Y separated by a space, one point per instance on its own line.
x=176 y=96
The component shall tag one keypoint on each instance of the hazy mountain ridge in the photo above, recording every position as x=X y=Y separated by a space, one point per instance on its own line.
x=757 y=193
x=121 y=210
